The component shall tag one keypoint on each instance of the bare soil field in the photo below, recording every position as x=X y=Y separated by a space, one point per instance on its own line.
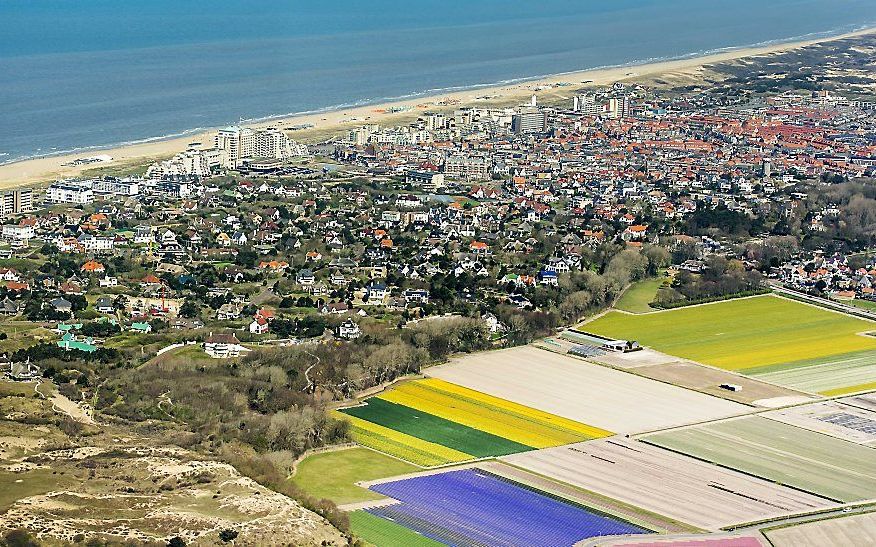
x=712 y=540
x=581 y=391
x=851 y=530
x=814 y=462
x=635 y=515
x=867 y=401
x=700 y=378
x=700 y=494
x=635 y=359
x=832 y=418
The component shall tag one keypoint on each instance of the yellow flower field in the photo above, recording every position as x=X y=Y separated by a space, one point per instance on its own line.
x=499 y=417
x=400 y=445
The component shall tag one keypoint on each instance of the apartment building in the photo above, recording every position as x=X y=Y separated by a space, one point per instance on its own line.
x=16 y=201
x=79 y=193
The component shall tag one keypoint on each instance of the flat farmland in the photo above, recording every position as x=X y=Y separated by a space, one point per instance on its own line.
x=706 y=379
x=838 y=375
x=783 y=453
x=745 y=333
x=713 y=540
x=432 y=422
x=401 y=445
x=833 y=418
x=434 y=429
x=850 y=530
x=483 y=412
x=691 y=491
x=471 y=507
x=385 y=533
x=584 y=392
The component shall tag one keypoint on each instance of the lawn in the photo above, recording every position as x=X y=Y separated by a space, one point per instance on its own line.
x=639 y=295
x=384 y=533
x=789 y=455
x=839 y=375
x=869 y=305
x=332 y=475
x=743 y=334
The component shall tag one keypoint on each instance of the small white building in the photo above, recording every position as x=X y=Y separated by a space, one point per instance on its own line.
x=349 y=330
x=223 y=346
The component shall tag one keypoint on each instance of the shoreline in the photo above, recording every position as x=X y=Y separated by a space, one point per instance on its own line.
x=44 y=169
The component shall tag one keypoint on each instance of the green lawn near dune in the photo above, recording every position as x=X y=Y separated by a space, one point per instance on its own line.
x=745 y=333
x=639 y=295
x=332 y=475
x=434 y=429
x=383 y=533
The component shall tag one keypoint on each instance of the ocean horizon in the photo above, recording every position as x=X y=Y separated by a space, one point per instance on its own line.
x=92 y=74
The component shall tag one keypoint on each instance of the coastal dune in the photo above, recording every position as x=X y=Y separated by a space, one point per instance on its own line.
x=42 y=170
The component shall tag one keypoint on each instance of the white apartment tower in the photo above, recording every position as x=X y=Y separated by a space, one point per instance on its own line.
x=237 y=142
x=271 y=143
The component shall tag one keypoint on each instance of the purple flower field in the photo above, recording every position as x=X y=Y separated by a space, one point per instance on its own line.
x=472 y=508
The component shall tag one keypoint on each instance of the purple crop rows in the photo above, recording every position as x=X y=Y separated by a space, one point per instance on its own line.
x=472 y=508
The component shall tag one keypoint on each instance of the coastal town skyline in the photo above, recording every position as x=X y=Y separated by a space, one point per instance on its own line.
x=631 y=306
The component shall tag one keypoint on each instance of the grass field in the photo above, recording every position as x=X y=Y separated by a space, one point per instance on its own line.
x=638 y=295
x=332 y=475
x=744 y=335
x=384 y=533
x=433 y=422
x=840 y=375
x=848 y=530
x=869 y=305
x=783 y=453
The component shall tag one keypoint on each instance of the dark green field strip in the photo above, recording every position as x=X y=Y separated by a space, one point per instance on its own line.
x=855 y=358
x=434 y=429
x=384 y=533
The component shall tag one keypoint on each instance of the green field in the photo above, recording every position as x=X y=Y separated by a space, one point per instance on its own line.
x=827 y=466
x=868 y=305
x=332 y=475
x=434 y=429
x=840 y=375
x=639 y=295
x=383 y=533
x=742 y=334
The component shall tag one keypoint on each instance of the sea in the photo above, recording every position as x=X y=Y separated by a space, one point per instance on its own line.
x=79 y=75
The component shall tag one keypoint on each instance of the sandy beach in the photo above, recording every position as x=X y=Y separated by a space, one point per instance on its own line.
x=42 y=170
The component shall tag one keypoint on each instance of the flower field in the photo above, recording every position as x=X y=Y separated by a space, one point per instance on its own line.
x=774 y=339
x=432 y=422
x=473 y=507
x=403 y=446
x=512 y=421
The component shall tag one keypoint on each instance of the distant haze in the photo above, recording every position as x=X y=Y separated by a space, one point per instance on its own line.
x=85 y=73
